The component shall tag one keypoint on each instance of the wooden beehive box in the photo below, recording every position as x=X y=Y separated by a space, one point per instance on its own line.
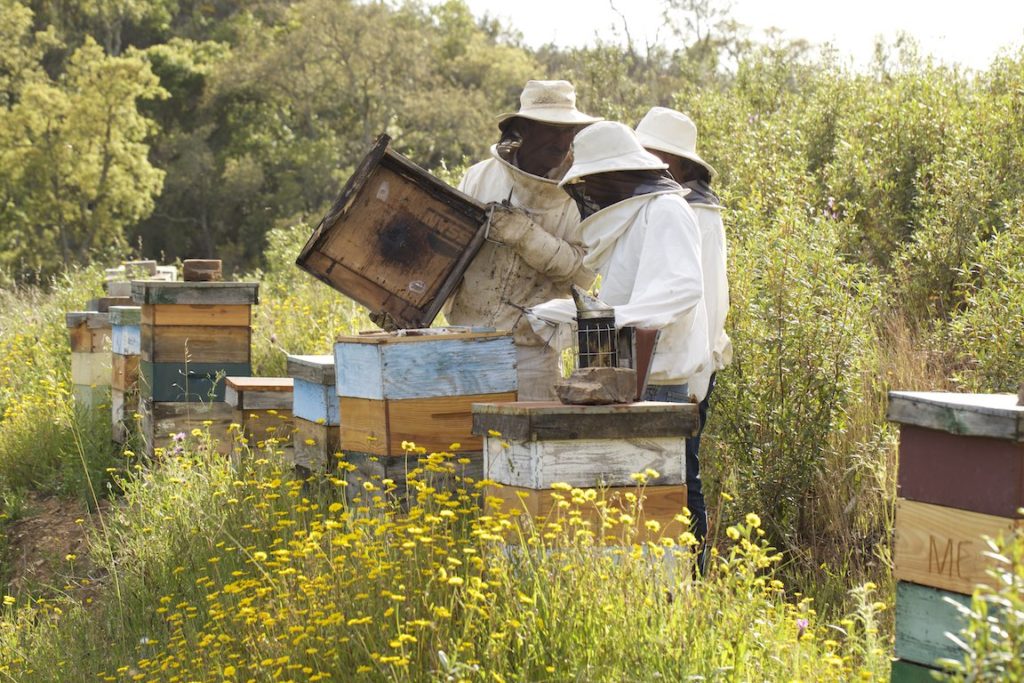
x=419 y=388
x=89 y=335
x=125 y=323
x=531 y=446
x=314 y=412
x=193 y=334
x=397 y=240
x=541 y=443
x=263 y=406
x=961 y=479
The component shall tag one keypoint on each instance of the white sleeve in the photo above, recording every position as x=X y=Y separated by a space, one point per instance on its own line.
x=669 y=283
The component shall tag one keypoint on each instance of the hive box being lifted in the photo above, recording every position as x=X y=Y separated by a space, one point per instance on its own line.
x=397 y=240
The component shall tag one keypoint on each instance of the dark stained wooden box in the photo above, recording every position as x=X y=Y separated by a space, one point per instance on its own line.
x=397 y=240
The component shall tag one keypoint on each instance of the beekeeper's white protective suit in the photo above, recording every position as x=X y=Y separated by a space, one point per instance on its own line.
x=533 y=252
x=540 y=261
x=716 y=284
x=647 y=250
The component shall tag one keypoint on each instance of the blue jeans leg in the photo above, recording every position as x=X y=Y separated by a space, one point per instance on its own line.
x=677 y=393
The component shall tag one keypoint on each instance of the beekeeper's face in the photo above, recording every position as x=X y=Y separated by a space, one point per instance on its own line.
x=545 y=146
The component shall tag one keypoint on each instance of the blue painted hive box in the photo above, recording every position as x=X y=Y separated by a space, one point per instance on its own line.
x=419 y=386
x=316 y=398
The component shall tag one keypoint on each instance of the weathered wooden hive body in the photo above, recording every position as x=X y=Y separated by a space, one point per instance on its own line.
x=125 y=348
x=397 y=240
x=89 y=334
x=263 y=408
x=961 y=478
x=192 y=336
x=531 y=446
x=315 y=412
x=419 y=387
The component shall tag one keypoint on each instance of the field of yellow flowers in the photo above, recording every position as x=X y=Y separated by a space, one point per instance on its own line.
x=215 y=573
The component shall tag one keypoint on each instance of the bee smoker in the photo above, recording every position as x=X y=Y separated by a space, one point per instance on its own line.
x=598 y=343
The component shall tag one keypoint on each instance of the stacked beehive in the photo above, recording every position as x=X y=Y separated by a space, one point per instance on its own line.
x=417 y=387
x=89 y=333
x=125 y=346
x=193 y=335
x=529 y=447
x=263 y=408
x=315 y=413
x=961 y=478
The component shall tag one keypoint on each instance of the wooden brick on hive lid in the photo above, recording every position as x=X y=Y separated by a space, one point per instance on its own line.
x=202 y=270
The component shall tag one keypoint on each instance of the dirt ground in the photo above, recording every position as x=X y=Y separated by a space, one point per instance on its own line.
x=40 y=543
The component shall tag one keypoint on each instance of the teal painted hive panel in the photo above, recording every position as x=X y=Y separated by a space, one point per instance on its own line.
x=923 y=618
x=427 y=366
x=908 y=672
x=192 y=382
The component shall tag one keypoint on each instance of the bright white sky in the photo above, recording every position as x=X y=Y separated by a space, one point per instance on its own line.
x=969 y=32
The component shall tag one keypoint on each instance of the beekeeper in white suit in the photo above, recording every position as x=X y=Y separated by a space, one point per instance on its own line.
x=643 y=239
x=533 y=250
x=672 y=137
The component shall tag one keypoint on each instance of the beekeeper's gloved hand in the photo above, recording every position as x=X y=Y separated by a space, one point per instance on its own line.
x=542 y=251
x=509 y=226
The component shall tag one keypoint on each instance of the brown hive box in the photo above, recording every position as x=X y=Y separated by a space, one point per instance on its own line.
x=397 y=240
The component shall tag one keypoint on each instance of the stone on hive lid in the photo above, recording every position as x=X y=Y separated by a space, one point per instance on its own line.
x=598 y=386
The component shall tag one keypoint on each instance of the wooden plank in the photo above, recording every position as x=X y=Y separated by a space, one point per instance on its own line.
x=993 y=415
x=943 y=547
x=315 y=402
x=126 y=339
x=312 y=369
x=213 y=315
x=125 y=315
x=550 y=420
x=364 y=425
x=438 y=366
x=85 y=339
x=924 y=617
x=90 y=369
x=256 y=399
x=654 y=503
x=263 y=384
x=315 y=445
x=975 y=473
x=396 y=239
x=191 y=382
x=435 y=423
x=584 y=462
x=908 y=672
x=124 y=372
x=233 y=293
x=195 y=343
